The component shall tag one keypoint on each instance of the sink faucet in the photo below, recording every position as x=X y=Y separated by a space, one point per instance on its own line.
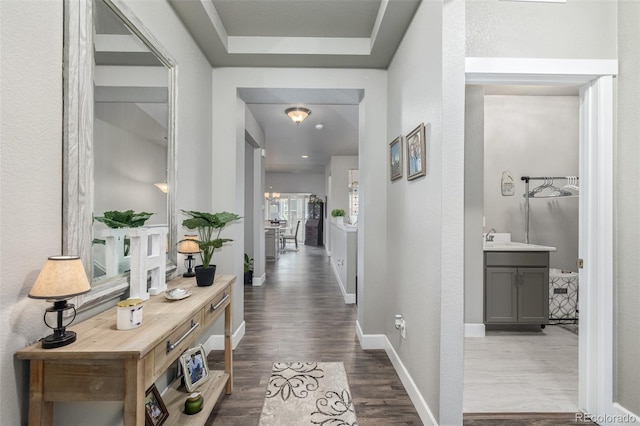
x=489 y=237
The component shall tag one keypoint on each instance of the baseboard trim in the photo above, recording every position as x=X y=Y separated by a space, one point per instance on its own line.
x=370 y=341
x=621 y=416
x=216 y=342
x=258 y=281
x=410 y=386
x=474 y=330
x=349 y=298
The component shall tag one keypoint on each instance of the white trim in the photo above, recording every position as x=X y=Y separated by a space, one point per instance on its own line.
x=349 y=298
x=370 y=341
x=258 y=281
x=410 y=386
x=619 y=410
x=474 y=330
x=537 y=70
x=215 y=342
x=595 y=369
x=380 y=341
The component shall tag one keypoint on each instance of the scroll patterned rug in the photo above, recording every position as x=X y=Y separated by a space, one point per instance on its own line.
x=308 y=393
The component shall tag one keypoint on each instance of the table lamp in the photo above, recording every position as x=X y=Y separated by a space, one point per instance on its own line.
x=189 y=246
x=61 y=278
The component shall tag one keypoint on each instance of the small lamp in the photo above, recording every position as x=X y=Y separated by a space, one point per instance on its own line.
x=189 y=246
x=61 y=278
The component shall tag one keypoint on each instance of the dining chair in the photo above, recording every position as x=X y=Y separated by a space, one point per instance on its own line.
x=288 y=237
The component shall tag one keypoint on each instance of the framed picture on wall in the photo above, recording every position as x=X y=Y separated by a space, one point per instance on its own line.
x=416 y=153
x=395 y=158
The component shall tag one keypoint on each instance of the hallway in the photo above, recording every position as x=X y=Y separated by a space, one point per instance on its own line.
x=299 y=315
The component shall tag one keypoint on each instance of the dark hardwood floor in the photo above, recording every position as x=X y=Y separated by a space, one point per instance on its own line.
x=299 y=315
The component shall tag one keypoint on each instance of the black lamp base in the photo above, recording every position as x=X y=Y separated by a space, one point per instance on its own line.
x=189 y=274
x=58 y=340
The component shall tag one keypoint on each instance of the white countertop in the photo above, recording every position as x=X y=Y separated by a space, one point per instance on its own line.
x=514 y=246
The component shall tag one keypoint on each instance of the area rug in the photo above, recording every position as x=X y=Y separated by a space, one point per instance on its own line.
x=308 y=393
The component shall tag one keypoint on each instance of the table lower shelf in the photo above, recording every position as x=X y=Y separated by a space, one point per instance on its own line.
x=176 y=395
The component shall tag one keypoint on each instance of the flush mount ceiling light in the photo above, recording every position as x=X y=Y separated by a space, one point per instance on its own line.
x=297 y=114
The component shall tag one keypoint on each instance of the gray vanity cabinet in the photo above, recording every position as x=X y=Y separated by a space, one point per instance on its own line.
x=516 y=287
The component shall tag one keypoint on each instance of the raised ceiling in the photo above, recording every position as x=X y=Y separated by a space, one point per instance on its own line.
x=300 y=33
x=297 y=33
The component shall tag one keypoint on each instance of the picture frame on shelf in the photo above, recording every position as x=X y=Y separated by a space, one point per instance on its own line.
x=155 y=412
x=416 y=153
x=395 y=158
x=194 y=366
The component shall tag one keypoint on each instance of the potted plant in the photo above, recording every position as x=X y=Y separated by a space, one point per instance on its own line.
x=248 y=269
x=208 y=224
x=338 y=215
x=124 y=220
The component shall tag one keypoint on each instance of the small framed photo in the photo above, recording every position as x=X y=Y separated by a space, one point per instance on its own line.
x=395 y=158
x=155 y=411
x=416 y=153
x=194 y=365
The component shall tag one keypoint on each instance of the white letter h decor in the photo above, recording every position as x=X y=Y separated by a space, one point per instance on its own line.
x=148 y=253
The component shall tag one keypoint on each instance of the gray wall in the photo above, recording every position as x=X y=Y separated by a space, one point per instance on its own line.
x=575 y=29
x=32 y=141
x=532 y=136
x=297 y=183
x=594 y=30
x=473 y=204
x=626 y=207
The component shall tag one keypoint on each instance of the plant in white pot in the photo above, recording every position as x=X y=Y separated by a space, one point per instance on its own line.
x=208 y=225
x=338 y=215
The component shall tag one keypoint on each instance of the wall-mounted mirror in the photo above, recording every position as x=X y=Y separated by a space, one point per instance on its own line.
x=119 y=136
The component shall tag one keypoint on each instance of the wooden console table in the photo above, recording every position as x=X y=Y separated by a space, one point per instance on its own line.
x=106 y=364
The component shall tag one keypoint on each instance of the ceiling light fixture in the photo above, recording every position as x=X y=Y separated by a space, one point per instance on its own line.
x=297 y=114
x=305 y=156
x=319 y=126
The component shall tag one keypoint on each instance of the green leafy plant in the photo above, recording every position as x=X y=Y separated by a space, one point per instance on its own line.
x=207 y=224
x=337 y=213
x=127 y=219
x=248 y=263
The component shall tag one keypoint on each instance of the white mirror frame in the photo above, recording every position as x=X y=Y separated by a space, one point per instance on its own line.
x=78 y=161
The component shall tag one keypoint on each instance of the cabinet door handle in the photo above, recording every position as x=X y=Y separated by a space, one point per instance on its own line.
x=172 y=346
x=217 y=305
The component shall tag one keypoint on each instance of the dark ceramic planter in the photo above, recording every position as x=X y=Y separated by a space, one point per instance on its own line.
x=205 y=276
x=248 y=277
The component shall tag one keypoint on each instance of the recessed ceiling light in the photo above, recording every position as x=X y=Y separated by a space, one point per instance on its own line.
x=305 y=156
x=319 y=126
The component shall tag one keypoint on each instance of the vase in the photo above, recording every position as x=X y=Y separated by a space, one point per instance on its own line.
x=248 y=277
x=205 y=276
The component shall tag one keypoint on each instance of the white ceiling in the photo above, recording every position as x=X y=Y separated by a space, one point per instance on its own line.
x=300 y=33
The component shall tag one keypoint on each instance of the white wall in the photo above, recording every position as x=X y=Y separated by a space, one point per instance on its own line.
x=626 y=207
x=296 y=183
x=424 y=216
x=575 y=29
x=31 y=172
x=532 y=136
x=30 y=176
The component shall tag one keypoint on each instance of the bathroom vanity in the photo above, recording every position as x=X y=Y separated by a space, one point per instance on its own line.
x=516 y=283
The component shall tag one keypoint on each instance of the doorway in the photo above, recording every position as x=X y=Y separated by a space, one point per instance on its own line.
x=527 y=131
x=595 y=222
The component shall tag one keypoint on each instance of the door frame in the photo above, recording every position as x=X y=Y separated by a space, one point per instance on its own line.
x=595 y=79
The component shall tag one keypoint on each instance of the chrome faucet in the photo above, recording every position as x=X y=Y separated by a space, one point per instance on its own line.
x=489 y=237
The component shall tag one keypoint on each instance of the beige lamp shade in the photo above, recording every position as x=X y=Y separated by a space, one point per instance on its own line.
x=189 y=245
x=61 y=277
